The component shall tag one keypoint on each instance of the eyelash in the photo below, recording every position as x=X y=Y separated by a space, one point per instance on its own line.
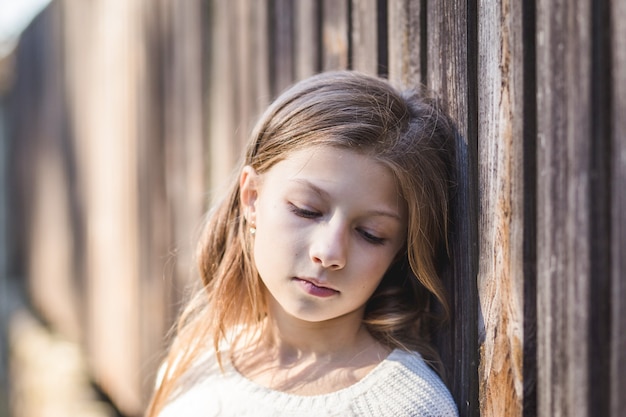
x=309 y=214
x=371 y=238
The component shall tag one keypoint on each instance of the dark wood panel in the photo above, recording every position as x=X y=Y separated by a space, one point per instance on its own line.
x=599 y=353
x=530 y=209
x=451 y=72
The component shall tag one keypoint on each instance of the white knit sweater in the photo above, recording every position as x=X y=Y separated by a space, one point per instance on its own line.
x=400 y=386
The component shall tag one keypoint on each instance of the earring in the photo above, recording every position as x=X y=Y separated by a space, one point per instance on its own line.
x=252 y=228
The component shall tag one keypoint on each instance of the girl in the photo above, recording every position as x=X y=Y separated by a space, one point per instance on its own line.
x=318 y=266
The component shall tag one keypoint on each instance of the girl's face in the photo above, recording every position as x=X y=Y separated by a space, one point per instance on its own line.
x=329 y=222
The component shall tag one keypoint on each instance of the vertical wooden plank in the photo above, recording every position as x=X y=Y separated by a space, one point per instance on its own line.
x=51 y=242
x=246 y=68
x=335 y=34
x=563 y=235
x=260 y=50
x=223 y=149
x=112 y=234
x=530 y=209
x=405 y=42
x=307 y=37
x=7 y=282
x=242 y=87
x=364 y=36
x=154 y=217
x=259 y=67
x=501 y=223
x=282 y=48
x=185 y=136
x=77 y=80
x=178 y=193
x=618 y=212
x=448 y=58
x=599 y=221
x=451 y=73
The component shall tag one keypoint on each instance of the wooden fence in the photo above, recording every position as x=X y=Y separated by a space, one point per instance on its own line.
x=129 y=115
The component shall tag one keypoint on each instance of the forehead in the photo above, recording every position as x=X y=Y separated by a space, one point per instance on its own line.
x=326 y=160
x=338 y=172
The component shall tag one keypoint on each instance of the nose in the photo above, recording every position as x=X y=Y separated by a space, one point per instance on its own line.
x=330 y=245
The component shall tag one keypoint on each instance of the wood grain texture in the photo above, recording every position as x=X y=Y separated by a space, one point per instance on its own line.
x=335 y=35
x=451 y=73
x=563 y=235
x=405 y=42
x=364 y=36
x=307 y=37
x=618 y=211
x=501 y=223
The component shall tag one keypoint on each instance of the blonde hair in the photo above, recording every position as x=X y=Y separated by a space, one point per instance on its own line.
x=407 y=132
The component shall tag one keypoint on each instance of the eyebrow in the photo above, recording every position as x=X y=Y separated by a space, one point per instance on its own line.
x=313 y=187
x=322 y=193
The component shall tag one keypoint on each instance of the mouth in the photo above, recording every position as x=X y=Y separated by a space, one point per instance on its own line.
x=314 y=288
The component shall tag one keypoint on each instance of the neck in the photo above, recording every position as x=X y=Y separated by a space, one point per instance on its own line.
x=309 y=358
x=291 y=340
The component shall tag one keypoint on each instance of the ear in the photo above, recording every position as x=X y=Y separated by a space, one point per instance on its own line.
x=248 y=192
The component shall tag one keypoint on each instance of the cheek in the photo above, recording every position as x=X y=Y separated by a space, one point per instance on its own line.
x=369 y=267
x=277 y=227
x=264 y=261
x=273 y=243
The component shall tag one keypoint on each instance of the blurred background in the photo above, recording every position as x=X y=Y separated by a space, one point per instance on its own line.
x=107 y=108
x=103 y=185
x=121 y=120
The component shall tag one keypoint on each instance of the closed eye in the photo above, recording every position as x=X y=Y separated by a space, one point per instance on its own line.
x=371 y=238
x=302 y=212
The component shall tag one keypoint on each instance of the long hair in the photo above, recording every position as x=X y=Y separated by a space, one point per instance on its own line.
x=407 y=132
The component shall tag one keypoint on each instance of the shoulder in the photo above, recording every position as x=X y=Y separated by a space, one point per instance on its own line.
x=200 y=391
x=404 y=385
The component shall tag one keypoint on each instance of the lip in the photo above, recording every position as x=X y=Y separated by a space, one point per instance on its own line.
x=315 y=288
